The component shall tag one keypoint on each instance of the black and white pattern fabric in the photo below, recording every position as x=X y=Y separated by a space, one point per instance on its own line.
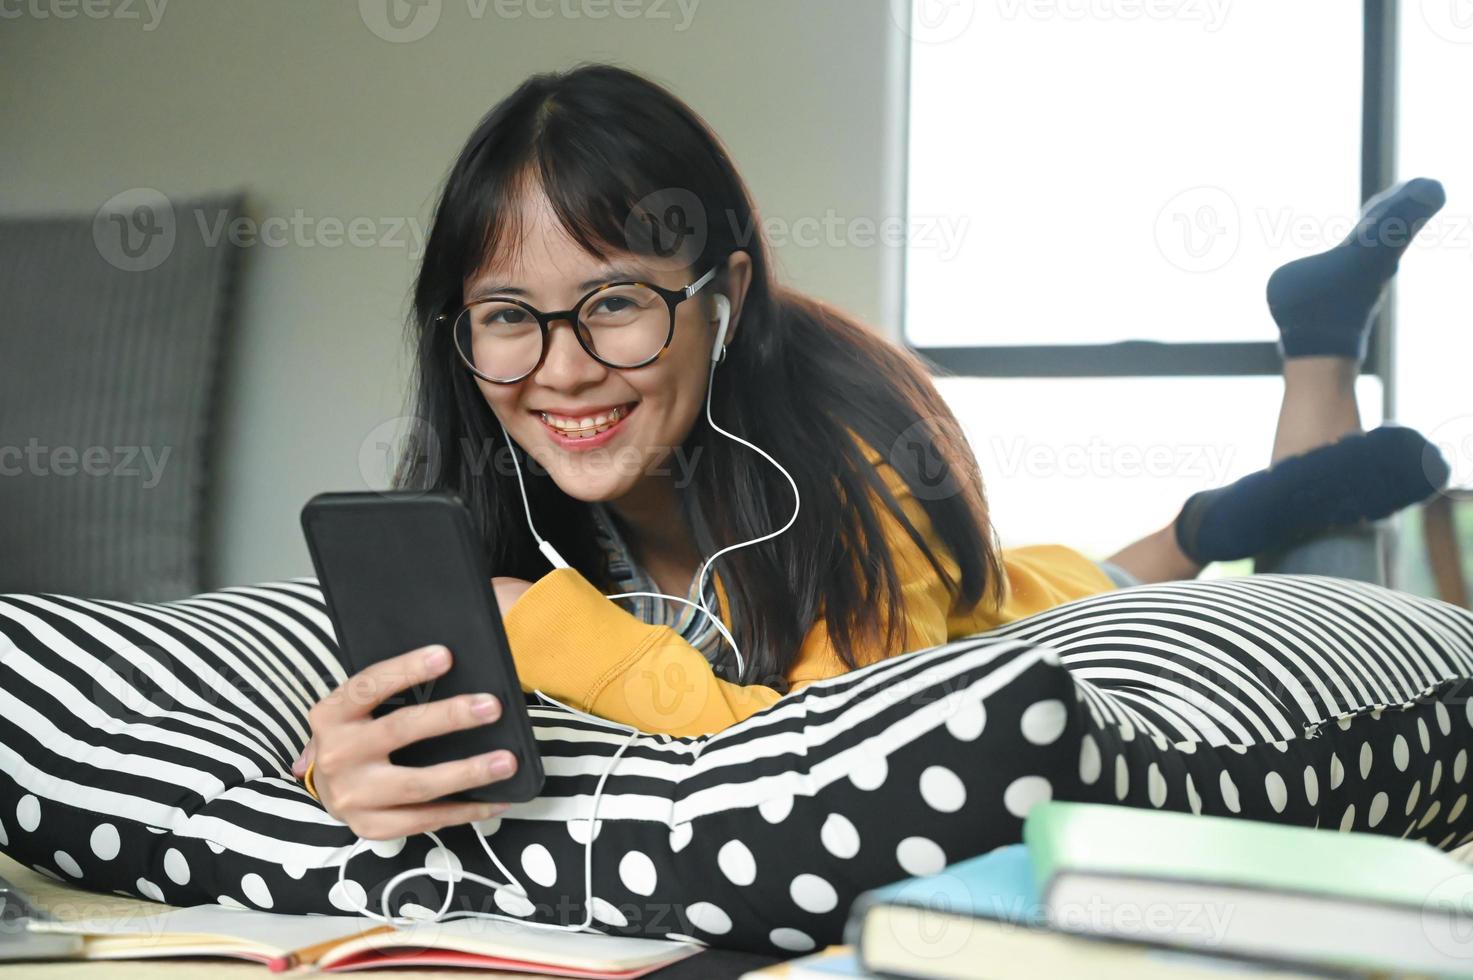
x=145 y=748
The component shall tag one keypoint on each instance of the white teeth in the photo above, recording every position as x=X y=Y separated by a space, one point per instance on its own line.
x=584 y=427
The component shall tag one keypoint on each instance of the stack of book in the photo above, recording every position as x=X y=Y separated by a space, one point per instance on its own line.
x=1120 y=892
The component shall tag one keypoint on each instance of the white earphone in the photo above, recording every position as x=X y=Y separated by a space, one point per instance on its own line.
x=442 y=871
x=723 y=313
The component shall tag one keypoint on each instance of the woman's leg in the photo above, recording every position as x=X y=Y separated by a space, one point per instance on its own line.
x=1313 y=515
x=1318 y=408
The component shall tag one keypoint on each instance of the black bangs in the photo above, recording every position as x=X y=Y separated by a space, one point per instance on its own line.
x=613 y=187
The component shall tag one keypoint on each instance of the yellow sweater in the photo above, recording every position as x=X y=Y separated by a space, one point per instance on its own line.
x=570 y=642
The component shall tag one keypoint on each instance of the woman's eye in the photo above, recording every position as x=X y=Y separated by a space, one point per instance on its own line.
x=506 y=318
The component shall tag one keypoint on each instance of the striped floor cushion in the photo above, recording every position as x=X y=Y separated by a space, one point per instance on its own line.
x=144 y=748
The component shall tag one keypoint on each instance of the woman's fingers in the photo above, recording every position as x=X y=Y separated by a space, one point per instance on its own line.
x=414 y=722
x=299 y=767
x=356 y=697
x=424 y=784
x=406 y=821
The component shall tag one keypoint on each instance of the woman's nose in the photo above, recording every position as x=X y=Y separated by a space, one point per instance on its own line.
x=567 y=364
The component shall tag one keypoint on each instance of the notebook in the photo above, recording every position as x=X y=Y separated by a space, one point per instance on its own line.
x=344 y=943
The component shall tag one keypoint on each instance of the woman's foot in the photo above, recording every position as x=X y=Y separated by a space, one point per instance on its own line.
x=1324 y=303
x=1361 y=477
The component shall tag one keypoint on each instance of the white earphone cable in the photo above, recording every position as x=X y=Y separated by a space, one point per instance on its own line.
x=451 y=876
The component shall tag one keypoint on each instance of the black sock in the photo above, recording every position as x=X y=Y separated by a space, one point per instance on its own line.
x=1324 y=303
x=1361 y=477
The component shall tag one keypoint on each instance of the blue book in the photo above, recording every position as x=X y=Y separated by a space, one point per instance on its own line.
x=996 y=885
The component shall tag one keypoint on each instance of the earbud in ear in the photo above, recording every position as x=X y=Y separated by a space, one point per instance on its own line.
x=723 y=314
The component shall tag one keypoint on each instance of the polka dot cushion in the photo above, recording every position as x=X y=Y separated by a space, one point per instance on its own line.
x=144 y=748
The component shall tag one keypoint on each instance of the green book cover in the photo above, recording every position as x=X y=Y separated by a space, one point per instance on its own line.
x=1101 y=839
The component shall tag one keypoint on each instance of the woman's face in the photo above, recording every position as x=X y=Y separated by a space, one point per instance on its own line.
x=639 y=416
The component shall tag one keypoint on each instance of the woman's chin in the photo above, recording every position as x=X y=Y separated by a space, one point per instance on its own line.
x=594 y=487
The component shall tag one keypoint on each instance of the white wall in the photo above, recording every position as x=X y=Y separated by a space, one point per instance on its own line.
x=320 y=118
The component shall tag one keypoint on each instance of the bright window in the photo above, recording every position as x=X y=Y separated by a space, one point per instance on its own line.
x=1083 y=173
x=1096 y=463
x=1434 y=331
x=1086 y=179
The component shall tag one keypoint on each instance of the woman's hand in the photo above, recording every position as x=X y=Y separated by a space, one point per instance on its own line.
x=355 y=779
x=508 y=590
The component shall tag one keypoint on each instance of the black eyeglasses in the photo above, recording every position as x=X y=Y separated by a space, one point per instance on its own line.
x=625 y=324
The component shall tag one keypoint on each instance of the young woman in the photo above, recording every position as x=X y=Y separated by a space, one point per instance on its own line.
x=595 y=196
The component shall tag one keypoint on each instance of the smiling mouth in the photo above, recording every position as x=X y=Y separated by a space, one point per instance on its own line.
x=587 y=426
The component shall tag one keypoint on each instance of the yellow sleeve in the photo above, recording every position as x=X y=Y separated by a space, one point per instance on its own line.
x=572 y=643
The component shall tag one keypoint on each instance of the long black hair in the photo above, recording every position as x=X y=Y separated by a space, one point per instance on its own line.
x=617 y=156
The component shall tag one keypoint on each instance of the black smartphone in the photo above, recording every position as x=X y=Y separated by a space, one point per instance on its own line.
x=403 y=569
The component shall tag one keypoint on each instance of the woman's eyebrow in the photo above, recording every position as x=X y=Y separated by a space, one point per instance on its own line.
x=617 y=273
